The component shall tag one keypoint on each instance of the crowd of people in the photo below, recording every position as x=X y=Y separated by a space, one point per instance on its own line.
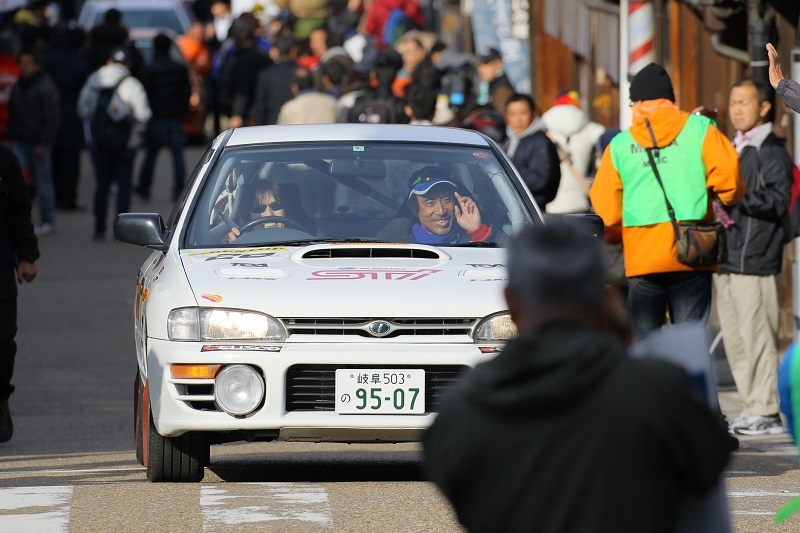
x=309 y=62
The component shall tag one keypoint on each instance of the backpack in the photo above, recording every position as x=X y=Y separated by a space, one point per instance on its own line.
x=376 y=110
x=791 y=220
x=396 y=25
x=108 y=133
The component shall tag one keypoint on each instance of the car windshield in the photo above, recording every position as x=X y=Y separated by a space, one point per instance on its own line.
x=358 y=192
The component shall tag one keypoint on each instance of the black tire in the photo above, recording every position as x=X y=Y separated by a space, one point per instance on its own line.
x=176 y=459
x=138 y=430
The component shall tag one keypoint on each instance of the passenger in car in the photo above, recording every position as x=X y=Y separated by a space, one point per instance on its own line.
x=444 y=214
x=266 y=201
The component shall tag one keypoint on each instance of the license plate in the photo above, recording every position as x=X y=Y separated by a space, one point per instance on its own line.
x=378 y=391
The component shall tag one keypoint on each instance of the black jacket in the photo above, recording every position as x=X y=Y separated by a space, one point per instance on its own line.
x=238 y=78
x=789 y=90
x=562 y=431
x=17 y=240
x=168 y=88
x=755 y=240
x=536 y=158
x=273 y=89
x=69 y=71
x=34 y=113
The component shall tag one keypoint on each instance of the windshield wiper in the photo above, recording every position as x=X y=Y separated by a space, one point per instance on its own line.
x=477 y=245
x=304 y=242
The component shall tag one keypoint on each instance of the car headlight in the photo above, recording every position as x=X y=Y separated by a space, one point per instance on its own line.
x=496 y=328
x=191 y=324
x=238 y=389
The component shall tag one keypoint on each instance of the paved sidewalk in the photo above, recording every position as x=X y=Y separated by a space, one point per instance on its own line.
x=761 y=478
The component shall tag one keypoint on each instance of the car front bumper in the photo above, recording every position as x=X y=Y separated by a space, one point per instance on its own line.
x=173 y=414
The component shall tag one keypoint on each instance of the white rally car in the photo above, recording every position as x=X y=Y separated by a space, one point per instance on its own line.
x=319 y=283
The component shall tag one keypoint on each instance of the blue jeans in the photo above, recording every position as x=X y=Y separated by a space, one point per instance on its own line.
x=112 y=167
x=160 y=132
x=686 y=295
x=42 y=169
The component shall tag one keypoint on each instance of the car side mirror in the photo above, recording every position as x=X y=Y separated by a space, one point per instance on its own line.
x=591 y=223
x=141 y=229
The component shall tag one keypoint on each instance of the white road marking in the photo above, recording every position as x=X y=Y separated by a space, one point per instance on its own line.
x=73 y=471
x=250 y=503
x=761 y=494
x=55 y=518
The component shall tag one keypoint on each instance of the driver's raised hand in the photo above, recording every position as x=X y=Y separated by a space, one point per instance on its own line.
x=468 y=215
x=232 y=235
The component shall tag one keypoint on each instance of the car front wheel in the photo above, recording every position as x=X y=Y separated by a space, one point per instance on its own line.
x=176 y=459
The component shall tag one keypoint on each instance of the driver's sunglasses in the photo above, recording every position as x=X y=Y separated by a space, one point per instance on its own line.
x=277 y=205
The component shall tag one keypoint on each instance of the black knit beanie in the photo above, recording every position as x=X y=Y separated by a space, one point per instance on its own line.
x=651 y=83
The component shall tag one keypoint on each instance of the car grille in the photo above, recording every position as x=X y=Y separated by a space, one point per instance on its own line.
x=311 y=387
x=398 y=326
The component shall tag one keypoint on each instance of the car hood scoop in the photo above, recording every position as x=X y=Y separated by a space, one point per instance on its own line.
x=371 y=251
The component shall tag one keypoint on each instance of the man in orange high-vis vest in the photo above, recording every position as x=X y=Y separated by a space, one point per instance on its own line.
x=697 y=163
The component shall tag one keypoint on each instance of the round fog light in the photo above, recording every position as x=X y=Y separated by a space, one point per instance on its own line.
x=238 y=389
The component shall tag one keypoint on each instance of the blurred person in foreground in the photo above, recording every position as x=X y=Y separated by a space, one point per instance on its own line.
x=697 y=164
x=18 y=252
x=522 y=443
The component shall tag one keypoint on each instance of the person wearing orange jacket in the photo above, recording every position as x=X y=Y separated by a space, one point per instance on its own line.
x=697 y=164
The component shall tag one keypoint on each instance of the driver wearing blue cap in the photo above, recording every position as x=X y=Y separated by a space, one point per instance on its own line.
x=444 y=215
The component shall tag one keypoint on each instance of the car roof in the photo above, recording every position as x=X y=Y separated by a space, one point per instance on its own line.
x=354 y=132
x=93 y=11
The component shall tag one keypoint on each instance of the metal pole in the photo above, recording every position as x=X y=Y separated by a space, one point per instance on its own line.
x=796 y=244
x=758 y=36
x=641 y=36
x=625 y=116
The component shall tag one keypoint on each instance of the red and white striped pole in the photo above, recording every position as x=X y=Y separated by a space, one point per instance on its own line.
x=636 y=50
x=641 y=36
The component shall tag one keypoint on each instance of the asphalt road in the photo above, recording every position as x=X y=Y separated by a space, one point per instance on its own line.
x=71 y=464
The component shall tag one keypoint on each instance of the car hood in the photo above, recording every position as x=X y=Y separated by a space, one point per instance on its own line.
x=350 y=280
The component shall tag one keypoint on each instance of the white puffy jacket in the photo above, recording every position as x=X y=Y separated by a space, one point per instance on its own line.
x=131 y=93
x=570 y=127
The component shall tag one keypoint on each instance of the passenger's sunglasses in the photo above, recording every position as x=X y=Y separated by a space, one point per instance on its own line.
x=277 y=205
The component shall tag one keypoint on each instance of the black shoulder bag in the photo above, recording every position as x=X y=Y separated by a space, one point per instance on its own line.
x=697 y=243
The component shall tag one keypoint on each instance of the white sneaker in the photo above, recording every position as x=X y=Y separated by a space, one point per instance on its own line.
x=761 y=425
x=44 y=229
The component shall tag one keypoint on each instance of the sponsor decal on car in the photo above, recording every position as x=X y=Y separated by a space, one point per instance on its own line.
x=481 y=155
x=241 y=253
x=372 y=273
x=216 y=298
x=238 y=348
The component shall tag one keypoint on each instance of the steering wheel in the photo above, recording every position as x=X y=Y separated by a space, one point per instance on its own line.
x=289 y=222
